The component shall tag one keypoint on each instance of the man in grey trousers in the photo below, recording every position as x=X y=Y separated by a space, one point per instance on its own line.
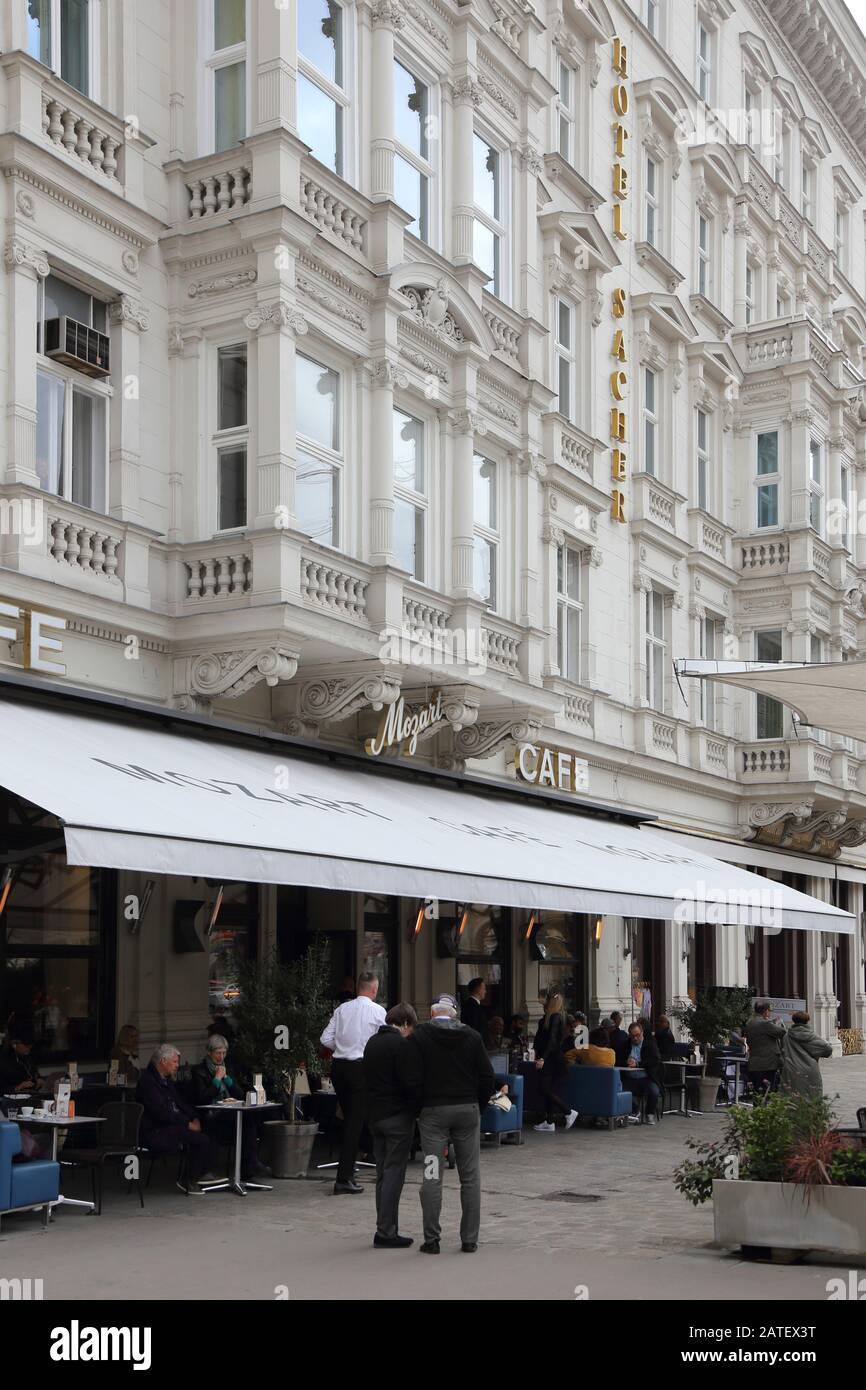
x=450 y=1076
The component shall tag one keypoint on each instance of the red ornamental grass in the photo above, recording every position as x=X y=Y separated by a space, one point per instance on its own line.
x=810 y=1160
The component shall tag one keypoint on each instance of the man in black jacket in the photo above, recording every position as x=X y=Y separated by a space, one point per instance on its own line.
x=168 y=1124
x=472 y=1014
x=643 y=1052
x=451 y=1080
x=391 y=1118
x=619 y=1039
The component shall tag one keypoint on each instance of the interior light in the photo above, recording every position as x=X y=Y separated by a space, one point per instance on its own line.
x=419 y=921
x=534 y=921
x=599 y=928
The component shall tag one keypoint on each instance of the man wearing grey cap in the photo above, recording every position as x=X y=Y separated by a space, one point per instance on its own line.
x=449 y=1076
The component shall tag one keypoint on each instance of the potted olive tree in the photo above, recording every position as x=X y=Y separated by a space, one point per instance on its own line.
x=709 y=1023
x=279 y=1018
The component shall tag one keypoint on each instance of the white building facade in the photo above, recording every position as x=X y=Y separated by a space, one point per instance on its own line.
x=361 y=349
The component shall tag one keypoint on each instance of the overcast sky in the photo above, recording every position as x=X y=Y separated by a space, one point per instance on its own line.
x=858 y=10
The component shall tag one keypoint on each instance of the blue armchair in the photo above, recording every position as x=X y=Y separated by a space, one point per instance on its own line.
x=596 y=1091
x=509 y=1122
x=25 y=1186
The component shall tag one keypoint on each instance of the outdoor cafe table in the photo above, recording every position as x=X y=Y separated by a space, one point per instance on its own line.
x=234 y=1182
x=55 y=1123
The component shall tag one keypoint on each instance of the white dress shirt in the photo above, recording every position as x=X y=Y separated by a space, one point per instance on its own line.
x=351 y=1027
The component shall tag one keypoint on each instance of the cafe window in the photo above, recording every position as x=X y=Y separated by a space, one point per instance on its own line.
x=57 y=955
x=232 y=912
x=477 y=936
x=378 y=953
x=558 y=945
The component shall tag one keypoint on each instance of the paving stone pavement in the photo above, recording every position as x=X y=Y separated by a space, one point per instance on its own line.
x=564 y=1209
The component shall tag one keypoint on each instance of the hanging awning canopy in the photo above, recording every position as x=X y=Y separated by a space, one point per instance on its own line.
x=827 y=695
x=144 y=790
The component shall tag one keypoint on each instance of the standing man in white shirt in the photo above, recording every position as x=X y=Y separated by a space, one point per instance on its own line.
x=351 y=1027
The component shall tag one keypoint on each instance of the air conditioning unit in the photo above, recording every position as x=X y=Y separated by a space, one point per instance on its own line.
x=77 y=345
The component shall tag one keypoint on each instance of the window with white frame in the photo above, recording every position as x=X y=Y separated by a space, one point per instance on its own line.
x=486 y=517
x=816 y=486
x=712 y=647
x=783 y=305
x=565 y=355
x=322 y=87
x=656 y=648
x=569 y=612
x=807 y=190
x=410 y=496
x=413 y=167
x=652 y=194
x=231 y=436
x=490 y=213
x=703 y=466
x=320 y=459
x=768 y=712
x=71 y=406
x=224 y=29
x=651 y=12
x=64 y=35
x=768 y=479
x=705 y=256
x=704 y=61
x=565 y=110
x=650 y=421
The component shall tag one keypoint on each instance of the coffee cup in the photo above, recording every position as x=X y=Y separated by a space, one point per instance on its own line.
x=49 y=1108
x=38 y=1112
x=27 y=1110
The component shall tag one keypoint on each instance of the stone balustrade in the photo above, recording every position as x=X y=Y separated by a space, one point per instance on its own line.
x=224 y=188
x=332 y=587
x=84 y=547
x=331 y=214
x=225 y=574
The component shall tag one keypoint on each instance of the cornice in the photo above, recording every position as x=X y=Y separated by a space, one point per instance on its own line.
x=77 y=205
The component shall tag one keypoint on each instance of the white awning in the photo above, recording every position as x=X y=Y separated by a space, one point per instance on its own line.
x=131 y=795
x=827 y=695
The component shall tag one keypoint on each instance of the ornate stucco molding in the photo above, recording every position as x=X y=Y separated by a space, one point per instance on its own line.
x=328 y=700
x=227 y=675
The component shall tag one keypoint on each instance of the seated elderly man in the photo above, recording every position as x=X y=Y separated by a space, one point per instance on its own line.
x=168 y=1125
x=213 y=1082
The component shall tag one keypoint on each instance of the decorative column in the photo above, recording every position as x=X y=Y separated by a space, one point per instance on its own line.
x=774 y=265
x=820 y=995
x=856 y=945
x=467 y=98
x=465 y=425
x=128 y=319
x=277 y=324
x=533 y=471
x=275 y=64
x=741 y=238
x=384 y=376
x=833 y=483
x=26 y=265
x=387 y=18
x=801 y=419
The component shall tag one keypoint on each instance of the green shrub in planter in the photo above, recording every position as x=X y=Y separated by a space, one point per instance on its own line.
x=848 y=1168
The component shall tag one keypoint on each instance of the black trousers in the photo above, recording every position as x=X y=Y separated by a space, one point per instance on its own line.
x=348 y=1079
x=392 y=1142
x=549 y=1078
x=758 y=1078
x=172 y=1138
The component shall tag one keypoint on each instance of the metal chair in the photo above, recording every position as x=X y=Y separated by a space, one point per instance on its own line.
x=118 y=1138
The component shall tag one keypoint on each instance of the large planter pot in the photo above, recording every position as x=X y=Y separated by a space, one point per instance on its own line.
x=708 y=1090
x=290 y=1146
x=781 y=1215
